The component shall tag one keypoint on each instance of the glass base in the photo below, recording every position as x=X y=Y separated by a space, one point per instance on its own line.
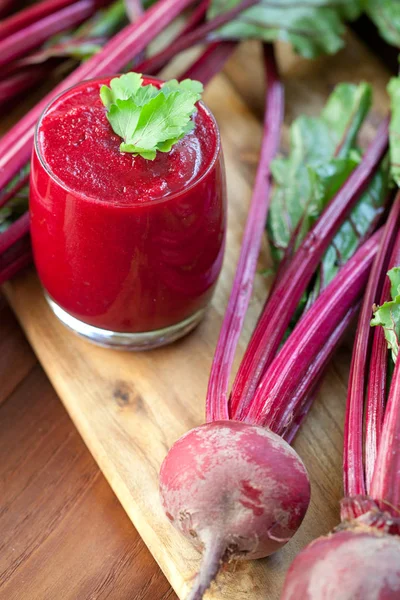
x=126 y=341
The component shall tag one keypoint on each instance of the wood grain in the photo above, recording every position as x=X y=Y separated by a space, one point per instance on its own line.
x=130 y=408
x=64 y=535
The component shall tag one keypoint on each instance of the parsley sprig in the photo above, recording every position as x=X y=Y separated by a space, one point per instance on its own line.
x=147 y=118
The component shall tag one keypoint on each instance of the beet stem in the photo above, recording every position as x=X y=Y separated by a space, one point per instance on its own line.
x=377 y=384
x=284 y=300
x=15 y=232
x=197 y=17
x=217 y=393
x=308 y=388
x=9 y=194
x=15 y=266
x=210 y=62
x=384 y=483
x=353 y=459
x=30 y=15
x=34 y=35
x=15 y=84
x=155 y=63
x=275 y=398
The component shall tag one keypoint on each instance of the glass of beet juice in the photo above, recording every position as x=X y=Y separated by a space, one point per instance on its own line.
x=128 y=250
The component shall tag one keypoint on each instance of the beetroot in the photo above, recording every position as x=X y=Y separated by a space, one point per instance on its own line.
x=235 y=490
x=354 y=564
x=361 y=561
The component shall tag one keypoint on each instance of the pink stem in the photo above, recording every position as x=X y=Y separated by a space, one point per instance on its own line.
x=217 y=393
x=196 y=17
x=275 y=399
x=16 y=145
x=22 y=182
x=6 y=7
x=353 y=460
x=376 y=394
x=156 y=62
x=210 y=62
x=15 y=266
x=54 y=53
x=14 y=233
x=20 y=43
x=385 y=481
x=30 y=15
x=312 y=379
x=15 y=84
x=282 y=303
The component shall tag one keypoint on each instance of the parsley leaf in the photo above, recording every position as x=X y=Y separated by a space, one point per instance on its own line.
x=150 y=119
x=388 y=315
x=121 y=88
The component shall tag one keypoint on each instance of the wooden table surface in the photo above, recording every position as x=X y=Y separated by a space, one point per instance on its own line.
x=63 y=533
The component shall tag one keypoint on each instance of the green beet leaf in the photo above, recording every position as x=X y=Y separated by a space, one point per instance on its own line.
x=386 y=16
x=319 y=161
x=361 y=222
x=394 y=129
x=323 y=153
x=314 y=27
x=147 y=118
x=388 y=315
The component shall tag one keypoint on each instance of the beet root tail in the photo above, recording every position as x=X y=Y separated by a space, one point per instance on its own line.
x=213 y=558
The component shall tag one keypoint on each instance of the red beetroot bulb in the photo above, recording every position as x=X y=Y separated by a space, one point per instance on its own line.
x=235 y=490
x=354 y=564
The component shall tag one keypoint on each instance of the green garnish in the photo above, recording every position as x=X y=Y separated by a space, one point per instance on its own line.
x=147 y=118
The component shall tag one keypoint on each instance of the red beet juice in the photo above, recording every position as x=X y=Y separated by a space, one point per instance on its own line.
x=127 y=249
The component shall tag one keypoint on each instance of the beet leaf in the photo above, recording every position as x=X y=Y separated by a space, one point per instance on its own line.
x=313 y=28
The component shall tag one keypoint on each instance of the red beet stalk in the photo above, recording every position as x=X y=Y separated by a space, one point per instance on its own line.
x=20 y=43
x=15 y=84
x=275 y=399
x=30 y=15
x=217 y=393
x=192 y=22
x=385 y=484
x=8 y=194
x=353 y=460
x=197 y=17
x=308 y=387
x=361 y=559
x=210 y=62
x=6 y=7
x=376 y=393
x=16 y=145
x=286 y=295
x=33 y=13
x=14 y=233
x=18 y=257
x=153 y=64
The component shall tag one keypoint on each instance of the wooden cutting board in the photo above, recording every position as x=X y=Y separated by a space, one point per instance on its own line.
x=130 y=408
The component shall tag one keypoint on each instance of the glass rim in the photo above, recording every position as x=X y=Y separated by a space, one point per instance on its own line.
x=170 y=196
